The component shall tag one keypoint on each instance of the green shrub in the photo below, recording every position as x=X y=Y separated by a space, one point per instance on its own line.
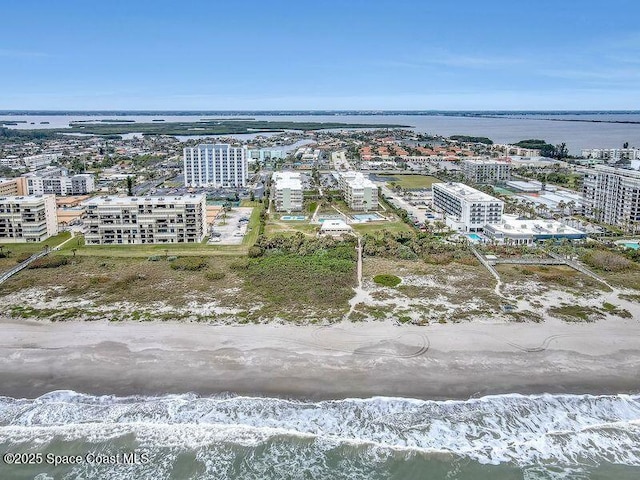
x=49 y=262
x=607 y=261
x=22 y=257
x=215 y=275
x=387 y=280
x=154 y=258
x=191 y=264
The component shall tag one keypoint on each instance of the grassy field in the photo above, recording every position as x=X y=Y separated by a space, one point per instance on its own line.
x=276 y=227
x=413 y=181
x=550 y=276
x=288 y=287
x=19 y=250
x=372 y=228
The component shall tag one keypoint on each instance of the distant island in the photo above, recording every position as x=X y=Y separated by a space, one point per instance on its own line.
x=211 y=127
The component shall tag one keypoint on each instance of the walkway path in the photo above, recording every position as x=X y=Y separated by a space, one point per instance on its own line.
x=21 y=266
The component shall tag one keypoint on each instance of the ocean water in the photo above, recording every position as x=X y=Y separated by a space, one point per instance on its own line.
x=230 y=437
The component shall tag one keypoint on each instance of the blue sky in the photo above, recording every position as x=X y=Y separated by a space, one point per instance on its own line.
x=349 y=54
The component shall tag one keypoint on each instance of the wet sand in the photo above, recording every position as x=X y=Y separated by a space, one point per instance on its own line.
x=346 y=360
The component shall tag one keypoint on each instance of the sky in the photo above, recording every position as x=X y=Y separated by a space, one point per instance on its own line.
x=333 y=54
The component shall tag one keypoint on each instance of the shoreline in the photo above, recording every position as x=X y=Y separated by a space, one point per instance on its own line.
x=345 y=360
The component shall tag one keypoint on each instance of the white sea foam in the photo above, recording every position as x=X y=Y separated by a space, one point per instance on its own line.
x=501 y=429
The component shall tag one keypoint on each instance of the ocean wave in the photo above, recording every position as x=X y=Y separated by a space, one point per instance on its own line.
x=500 y=429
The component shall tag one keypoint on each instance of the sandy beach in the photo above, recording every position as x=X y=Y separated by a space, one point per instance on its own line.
x=340 y=361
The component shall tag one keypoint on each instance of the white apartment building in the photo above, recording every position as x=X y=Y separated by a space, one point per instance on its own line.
x=27 y=218
x=215 y=165
x=287 y=191
x=57 y=181
x=612 y=155
x=358 y=191
x=515 y=231
x=612 y=195
x=133 y=220
x=466 y=209
x=489 y=171
x=516 y=150
x=35 y=162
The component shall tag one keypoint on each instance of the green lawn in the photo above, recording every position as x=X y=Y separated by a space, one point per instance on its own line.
x=414 y=181
x=364 y=228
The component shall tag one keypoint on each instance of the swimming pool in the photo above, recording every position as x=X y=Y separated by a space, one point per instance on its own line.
x=329 y=217
x=293 y=218
x=367 y=217
x=474 y=237
x=632 y=245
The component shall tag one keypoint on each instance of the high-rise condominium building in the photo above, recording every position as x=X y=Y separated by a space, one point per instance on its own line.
x=27 y=218
x=133 y=220
x=612 y=195
x=215 y=165
x=466 y=209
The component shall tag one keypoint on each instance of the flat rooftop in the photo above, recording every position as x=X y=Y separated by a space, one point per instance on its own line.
x=148 y=200
x=512 y=225
x=464 y=191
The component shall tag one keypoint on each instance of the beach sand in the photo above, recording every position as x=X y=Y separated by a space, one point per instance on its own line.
x=345 y=360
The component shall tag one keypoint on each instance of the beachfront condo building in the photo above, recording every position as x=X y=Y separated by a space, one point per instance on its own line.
x=287 y=191
x=359 y=192
x=466 y=209
x=513 y=230
x=612 y=195
x=215 y=165
x=27 y=218
x=136 y=220
x=490 y=171
x=57 y=181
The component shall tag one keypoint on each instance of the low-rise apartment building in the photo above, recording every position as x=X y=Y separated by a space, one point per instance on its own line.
x=358 y=191
x=612 y=155
x=491 y=171
x=612 y=195
x=36 y=162
x=141 y=220
x=514 y=231
x=57 y=181
x=466 y=209
x=287 y=191
x=27 y=218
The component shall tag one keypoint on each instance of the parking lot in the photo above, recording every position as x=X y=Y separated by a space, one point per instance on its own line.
x=229 y=228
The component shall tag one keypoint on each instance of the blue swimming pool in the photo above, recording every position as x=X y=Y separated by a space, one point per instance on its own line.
x=474 y=237
x=632 y=245
x=367 y=217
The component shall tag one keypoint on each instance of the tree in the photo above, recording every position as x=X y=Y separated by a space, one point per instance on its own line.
x=625 y=145
x=561 y=151
x=129 y=186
